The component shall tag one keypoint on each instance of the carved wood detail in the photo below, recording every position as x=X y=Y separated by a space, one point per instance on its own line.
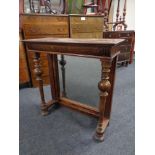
x=38 y=73
x=104 y=86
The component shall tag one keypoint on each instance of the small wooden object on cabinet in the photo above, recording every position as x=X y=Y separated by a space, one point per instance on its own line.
x=36 y=26
x=106 y=50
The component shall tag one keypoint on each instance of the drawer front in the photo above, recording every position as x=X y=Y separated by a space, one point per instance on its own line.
x=44 y=26
x=109 y=35
x=116 y=34
x=86 y=27
x=127 y=34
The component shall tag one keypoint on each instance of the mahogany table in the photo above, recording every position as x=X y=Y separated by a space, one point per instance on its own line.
x=106 y=50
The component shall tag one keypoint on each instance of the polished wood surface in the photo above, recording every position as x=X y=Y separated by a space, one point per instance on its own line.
x=106 y=50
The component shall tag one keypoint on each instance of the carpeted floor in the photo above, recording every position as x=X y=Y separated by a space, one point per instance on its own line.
x=66 y=132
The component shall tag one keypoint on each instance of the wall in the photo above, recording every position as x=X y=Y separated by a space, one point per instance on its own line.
x=130 y=12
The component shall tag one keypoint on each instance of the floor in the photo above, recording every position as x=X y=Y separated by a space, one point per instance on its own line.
x=66 y=132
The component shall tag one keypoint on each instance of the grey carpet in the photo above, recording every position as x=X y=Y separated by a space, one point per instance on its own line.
x=66 y=132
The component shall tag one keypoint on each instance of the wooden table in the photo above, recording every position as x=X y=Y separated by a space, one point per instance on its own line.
x=106 y=50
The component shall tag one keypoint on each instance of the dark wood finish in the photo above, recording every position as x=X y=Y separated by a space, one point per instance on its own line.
x=106 y=50
x=62 y=62
x=39 y=25
x=127 y=48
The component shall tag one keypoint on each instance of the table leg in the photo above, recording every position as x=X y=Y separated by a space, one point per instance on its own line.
x=63 y=63
x=112 y=82
x=104 y=86
x=54 y=76
x=38 y=73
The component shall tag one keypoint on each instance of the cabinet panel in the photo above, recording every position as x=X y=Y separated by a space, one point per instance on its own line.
x=86 y=26
x=40 y=26
x=23 y=70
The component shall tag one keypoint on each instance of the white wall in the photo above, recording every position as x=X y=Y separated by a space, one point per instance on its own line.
x=130 y=12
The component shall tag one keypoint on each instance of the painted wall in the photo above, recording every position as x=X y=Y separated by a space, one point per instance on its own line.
x=130 y=12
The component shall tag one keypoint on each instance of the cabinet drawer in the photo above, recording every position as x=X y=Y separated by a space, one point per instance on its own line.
x=46 y=81
x=110 y=35
x=127 y=34
x=86 y=27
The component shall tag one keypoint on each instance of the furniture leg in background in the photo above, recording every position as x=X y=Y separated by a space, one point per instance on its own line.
x=62 y=62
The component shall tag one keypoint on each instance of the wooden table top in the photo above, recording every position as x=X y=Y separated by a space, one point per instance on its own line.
x=75 y=41
x=96 y=48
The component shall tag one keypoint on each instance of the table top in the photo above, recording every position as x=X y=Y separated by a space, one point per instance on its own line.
x=95 y=48
x=75 y=41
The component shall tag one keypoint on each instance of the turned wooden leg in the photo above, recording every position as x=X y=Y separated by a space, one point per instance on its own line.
x=104 y=86
x=63 y=63
x=38 y=73
x=108 y=106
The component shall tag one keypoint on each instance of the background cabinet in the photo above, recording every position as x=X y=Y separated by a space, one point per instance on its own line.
x=127 y=48
x=86 y=26
x=37 y=26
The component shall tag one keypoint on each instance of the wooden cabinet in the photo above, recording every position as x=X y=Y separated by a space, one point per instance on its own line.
x=23 y=68
x=40 y=26
x=86 y=26
x=127 y=49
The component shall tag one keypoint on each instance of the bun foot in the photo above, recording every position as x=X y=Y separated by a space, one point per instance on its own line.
x=44 y=113
x=99 y=137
